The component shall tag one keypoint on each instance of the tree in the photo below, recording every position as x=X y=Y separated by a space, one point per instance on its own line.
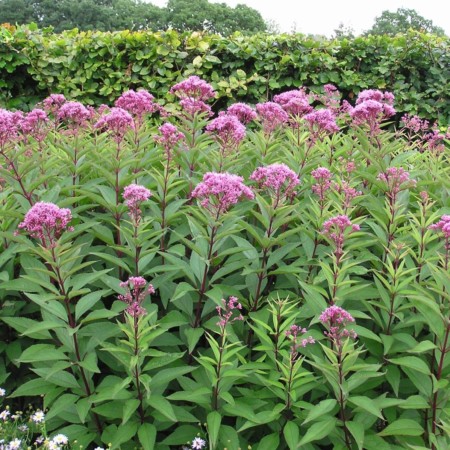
x=344 y=32
x=401 y=21
x=109 y=15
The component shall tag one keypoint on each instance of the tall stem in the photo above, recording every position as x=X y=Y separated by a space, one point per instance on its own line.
x=137 y=371
x=341 y=399
x=203 y=286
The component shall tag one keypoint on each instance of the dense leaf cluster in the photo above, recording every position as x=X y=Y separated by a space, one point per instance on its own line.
x=111 y=15
x=96 y=67
x=376 y=380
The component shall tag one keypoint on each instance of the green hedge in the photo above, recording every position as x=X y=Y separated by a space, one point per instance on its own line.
x=96 y=67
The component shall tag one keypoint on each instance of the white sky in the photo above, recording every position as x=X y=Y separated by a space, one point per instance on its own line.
x=324 y=16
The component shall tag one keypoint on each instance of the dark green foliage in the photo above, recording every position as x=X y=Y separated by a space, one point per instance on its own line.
x=110 y=15
x=401 y=21
x=96 y=67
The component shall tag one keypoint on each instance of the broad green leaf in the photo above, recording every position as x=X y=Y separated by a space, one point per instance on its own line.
x=292 y=435
x=213 y=421
x=402 y=427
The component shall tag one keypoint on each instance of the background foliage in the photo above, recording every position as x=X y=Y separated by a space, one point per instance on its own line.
x=96 y=67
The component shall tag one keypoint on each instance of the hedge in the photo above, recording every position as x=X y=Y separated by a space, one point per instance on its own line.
x=96 y=67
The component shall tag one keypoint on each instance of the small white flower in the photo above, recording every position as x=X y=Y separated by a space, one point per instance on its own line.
x=2 y=392
x=4 y=415
x=198 y=443
x=38 y=417
x=60 y=439
x=14 y=444
x=40 y=440
x=99 y=448
x=53 y=446
x=23 y=428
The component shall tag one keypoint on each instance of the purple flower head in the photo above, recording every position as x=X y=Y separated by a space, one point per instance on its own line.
x=295 y=102
x=74 y=113
x=137 y=103
x=396 y=179
x=229 y=132
x=168 y=138
x=35 y=124
x=336 y=319
x=46 y=221
x=136 y=291
x=323 y=182
x=321 y=122
x=331 y=98
x=436 y=140
x=226 y=311
x=193 y=88
x=272 y=116
x=243 y=112
x=443 y=226
x=134 y=195
x=53 y=103
x=219 y=191
x=192 y=106
x=8 y=127
x=117 y=121
x=348 y=192
x=335 y=228
x=297 y=341
x=376 y=95
x=414 y=123
x=372 y=106
x=278 y=179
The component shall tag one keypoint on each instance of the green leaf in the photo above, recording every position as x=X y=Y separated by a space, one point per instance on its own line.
x=88 y=301
x=163 y=406
x=402 y=427
x=320 y=410
x=147 y=436
x=270 y=442
x=367 y=404
x=291 y=434
x=213 y=420
x=318 y=431
x=42 y=352
x=412 y=362
x=357 y=431
x=129 y=407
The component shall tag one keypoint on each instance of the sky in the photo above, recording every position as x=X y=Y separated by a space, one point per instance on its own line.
x=324 y=16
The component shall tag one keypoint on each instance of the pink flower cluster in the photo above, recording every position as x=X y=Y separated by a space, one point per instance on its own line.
x=272 y=116
x=34 y=124
x=168 y=138
x=335 y=229
x=243 y=112
x=53 y=103
x=294 y=333
x=46 y=221
x=134 y=195
x=372 y=106
x=8 y=127
x=323 y=177
x=229 y=131
x=321 y=122
x=435 y=140
x=444 y=226
x=137 y=103
x=226 y=311
x=397 y=179
x=117 y=121
x=194 y=92
x=74 y=113
x=336 y=320
x=331 y=98
x=348 y=191
x=219 y=191
x=414 y=123
x=136 y=291
x=295 y=102
x=278 y=179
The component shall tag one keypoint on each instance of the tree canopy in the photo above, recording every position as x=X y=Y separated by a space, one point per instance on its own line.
x=401 y=21
x=110 y=15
